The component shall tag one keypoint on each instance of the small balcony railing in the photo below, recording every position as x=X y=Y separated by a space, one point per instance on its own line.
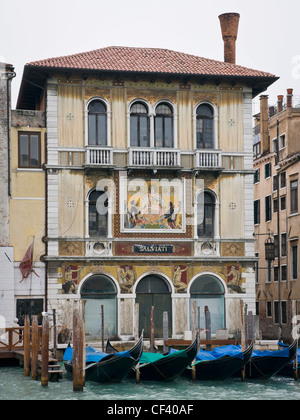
x=207 y=158
x=96 y=155
x=153 y=157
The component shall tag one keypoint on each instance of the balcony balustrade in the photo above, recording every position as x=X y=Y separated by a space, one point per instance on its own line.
x=146 y=157
x=97 y=155
x=207 y=159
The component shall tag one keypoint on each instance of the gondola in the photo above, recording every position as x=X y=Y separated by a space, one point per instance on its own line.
x=102 y=367
x=291 y=370
x=165 y=367
x=265 y=364
x=219 y=364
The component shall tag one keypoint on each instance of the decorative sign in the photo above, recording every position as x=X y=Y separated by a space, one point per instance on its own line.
x=153 y=249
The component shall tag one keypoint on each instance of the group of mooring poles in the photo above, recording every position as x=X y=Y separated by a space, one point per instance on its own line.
x=33 y=343
x=36 y=347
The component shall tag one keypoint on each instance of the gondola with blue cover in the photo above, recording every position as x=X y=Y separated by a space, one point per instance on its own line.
x=220 y=363
x=265 y=364
x=103 y=367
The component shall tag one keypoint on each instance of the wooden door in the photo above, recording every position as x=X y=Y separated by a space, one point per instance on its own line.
x=153 y=291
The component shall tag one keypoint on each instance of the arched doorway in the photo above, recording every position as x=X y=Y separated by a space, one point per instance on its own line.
x=154 y=291
x=100 y=290
x=208 y=291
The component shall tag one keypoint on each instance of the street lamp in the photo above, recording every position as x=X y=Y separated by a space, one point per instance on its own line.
x=269 y=249
x=269 y=254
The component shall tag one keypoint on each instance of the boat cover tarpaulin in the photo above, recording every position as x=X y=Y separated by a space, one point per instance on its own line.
x=93 y=355
x=218 y=352
x=148 y=357
x=273 y=353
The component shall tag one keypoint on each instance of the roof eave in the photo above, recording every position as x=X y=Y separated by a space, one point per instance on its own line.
x=258 y=84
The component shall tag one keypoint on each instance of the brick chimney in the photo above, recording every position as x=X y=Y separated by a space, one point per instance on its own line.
x=264 y=124
x=289 y=98
x=279 y=103
x=229 y=27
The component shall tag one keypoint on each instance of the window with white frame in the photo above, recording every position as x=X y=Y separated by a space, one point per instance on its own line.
x=139 y=125
x=98 y=214
x=205 y=127
x=268 y=208
x=206 y=215
x=97 y=123
x=163 y=126
x=282 y=141
x=294 y=267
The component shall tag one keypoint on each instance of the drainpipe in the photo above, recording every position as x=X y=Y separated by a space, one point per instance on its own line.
x=10 y=76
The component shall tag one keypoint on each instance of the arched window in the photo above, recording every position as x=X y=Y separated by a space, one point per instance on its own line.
x=98 y=291
x=205 y=215
x=98 y=213
x=97 y=123
x=205 y=127
x=209 y=292
x=163 y=126
x=139 y=125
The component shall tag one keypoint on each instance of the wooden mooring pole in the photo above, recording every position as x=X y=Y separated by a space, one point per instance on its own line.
x=294 y=327
x=194 y=334
x=78 y=377
x=152 y=329
x=165 y=331
x=26 y=339
x=35 y=348
x=45 y=351
x=102 y=326
x=243 y=337
x=136 y=321
x=207 y=326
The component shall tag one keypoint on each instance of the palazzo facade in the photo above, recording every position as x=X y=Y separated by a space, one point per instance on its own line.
x=148 y=167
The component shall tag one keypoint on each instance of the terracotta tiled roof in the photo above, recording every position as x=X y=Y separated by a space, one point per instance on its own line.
x=147 y=60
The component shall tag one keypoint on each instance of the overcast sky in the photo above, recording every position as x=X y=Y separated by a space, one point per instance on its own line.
x=268 y=37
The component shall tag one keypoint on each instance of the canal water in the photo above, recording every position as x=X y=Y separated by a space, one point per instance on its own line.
x=14 y=386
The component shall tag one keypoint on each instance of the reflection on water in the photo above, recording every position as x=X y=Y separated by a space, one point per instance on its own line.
x=14 y=386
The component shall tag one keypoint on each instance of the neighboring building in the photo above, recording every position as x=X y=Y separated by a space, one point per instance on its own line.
x=277 y=289
x=148 y=168
x=22 y=205
x=6 y=251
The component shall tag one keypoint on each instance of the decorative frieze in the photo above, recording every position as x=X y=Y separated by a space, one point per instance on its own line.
x=71 y=248
x=232 y=249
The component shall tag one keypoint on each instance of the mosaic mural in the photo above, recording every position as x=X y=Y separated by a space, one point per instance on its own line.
x=153 y=205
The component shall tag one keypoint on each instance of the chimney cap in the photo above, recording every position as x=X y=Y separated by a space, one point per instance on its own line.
x=229 y=24
x=229 y=14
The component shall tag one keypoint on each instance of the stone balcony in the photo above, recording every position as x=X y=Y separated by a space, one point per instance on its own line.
x=151 y=158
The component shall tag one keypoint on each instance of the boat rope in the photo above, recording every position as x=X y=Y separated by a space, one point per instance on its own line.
x=257 y=368
x=297 y=367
